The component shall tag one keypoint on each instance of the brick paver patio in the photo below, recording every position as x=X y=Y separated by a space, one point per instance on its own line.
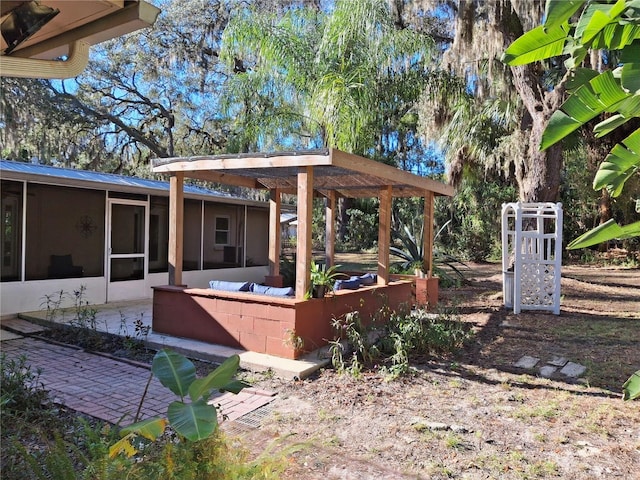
x=109 y=389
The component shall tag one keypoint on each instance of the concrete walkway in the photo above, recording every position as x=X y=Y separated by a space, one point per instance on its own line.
x=107 y=388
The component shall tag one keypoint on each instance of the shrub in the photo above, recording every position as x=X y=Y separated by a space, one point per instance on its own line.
x=392 y=345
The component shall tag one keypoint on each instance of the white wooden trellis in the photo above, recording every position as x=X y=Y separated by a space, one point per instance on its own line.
x=531 y=256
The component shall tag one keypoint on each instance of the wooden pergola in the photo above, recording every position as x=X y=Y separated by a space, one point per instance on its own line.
x=330 y=173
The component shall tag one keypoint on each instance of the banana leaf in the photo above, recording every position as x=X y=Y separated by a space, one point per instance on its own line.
x=607 y=231
x=174 y=371
x=620 y=165
x=631 y=388
x=194 y=421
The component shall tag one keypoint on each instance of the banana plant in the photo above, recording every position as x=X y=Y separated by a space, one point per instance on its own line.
x=631 y=388
x=601 y=24
x=194 y=420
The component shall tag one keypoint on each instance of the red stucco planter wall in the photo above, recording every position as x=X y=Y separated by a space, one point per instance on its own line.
x=266 y=324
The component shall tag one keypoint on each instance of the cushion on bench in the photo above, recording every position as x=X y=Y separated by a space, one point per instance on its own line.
x=272 y=291
x=352 y=284
x=229 y=286
x=368 y=278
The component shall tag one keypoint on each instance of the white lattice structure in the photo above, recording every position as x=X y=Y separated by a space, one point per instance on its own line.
x=531 y=256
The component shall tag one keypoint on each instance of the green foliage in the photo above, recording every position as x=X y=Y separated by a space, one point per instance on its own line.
x=631 y=388
x=420 y=333
x=86 y=457
x=344 y=77
x=353 y=335
x=321 y=276
x=474 y=214
x=362 y=227
x=392 y=343
x=21 y=392
x=600 y=25
x=83 y=317
x=604 y=232
x=195 y=420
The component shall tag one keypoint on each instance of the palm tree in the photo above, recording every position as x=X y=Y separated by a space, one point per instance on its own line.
x=311 y=78
x=347 y=78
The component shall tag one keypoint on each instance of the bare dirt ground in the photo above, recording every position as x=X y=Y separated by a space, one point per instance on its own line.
x=476 y=415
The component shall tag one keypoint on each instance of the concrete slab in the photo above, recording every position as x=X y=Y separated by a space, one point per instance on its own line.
x=547 y=371
x=526 y=362
x=557 y=361
x=7 y=335
x=573 y=370
x=18 y=325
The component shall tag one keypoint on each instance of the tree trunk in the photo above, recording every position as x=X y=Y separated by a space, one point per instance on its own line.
x=538 y=174
x=539 y=179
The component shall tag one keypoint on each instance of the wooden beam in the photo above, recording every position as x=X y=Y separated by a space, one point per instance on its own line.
x=384 y=234
x=303 y=244
x=330 y=228
x=225 y=179
x=176 y=227
x=427 y=261
x=356 y=163
x=274 y=232
x=229 y=162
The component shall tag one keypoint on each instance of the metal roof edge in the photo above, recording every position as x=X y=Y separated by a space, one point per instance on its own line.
x=39 y=173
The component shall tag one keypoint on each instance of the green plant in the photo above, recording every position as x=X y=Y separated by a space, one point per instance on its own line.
x=420 y=332
x=52 y=303
x=631 y=388
x=293 y=340
x=20 y=387
x=323 y=278
x=393 y=342
x=352 y=336
x=133 y=341
x=194 y=420
x=85 y=315
x=445 y=266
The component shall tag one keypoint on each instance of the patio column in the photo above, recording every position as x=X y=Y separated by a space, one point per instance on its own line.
x=427 y=260
x=176 y=227
x=303 y=244
x=384 y=234
x=330 y=228
x=274 y=232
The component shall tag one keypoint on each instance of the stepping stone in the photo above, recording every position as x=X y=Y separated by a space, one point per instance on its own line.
x=526 y=362
x=18 y=325
x=547 y=371
x=7 y=335
x=573 y=370
x=557 y=361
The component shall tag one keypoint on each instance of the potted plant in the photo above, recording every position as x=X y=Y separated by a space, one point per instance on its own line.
x=322 y=278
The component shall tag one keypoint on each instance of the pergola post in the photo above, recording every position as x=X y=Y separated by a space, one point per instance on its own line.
x=274 y=232
x=303 y=244
x=330 y=228
x=384 y=234
x=176 y=227
x=427 y=261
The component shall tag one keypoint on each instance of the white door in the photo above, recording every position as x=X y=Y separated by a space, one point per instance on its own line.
x=127 y=259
